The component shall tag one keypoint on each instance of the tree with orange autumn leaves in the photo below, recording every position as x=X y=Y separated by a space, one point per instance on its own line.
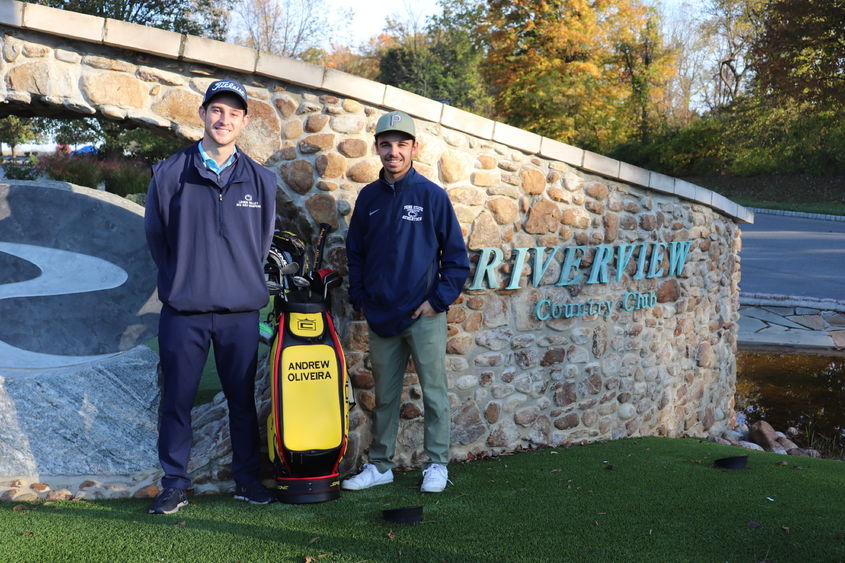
x=363 y=61
x=590 y=73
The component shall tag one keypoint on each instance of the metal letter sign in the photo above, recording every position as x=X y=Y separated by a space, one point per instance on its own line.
x=653 y=260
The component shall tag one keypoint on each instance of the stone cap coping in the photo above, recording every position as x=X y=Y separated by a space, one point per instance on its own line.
x=804 y=214
x=774 y=300
x=172 y=45
x=108 y=197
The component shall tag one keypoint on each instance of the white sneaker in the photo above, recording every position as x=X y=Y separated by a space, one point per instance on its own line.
x=435 y=477
x=368 y=477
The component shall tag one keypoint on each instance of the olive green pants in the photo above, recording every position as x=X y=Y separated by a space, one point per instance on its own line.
x=425 y=342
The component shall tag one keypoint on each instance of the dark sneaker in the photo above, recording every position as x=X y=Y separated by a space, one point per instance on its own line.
x=169 y=500
x=254 y=493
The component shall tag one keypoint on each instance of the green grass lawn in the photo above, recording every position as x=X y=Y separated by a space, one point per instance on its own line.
x=648 y=499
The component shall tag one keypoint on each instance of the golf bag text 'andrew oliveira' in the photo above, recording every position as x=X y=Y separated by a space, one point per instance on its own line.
x=308 y=423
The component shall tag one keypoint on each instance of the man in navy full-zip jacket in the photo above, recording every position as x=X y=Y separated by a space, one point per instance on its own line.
x=407 y=264
x=209 y=222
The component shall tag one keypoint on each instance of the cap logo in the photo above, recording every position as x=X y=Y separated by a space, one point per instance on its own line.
x=228 y=85
x=394 y=119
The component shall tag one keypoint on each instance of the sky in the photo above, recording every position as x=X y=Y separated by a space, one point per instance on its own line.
x=369 y=17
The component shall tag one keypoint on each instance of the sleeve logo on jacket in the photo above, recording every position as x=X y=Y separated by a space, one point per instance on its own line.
x=247 y=202
x=412 y=213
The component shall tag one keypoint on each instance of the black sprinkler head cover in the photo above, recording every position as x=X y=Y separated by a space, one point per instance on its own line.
x=404 y=515
x=734 y=462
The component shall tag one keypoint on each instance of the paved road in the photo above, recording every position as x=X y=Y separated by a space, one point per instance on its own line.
x=795 y=256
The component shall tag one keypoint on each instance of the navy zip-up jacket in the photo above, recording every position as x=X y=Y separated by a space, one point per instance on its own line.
x=209 y=235
x=404 y=246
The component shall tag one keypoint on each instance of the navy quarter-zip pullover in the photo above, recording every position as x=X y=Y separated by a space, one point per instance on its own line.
x=209 y=234
x=404 y=246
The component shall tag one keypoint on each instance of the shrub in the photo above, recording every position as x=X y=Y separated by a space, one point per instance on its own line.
x=118 y=175
x=82 y=169
x=140 y=199
x=697 y=148
x=22 y=170
x=124 y=177
x=753 y=136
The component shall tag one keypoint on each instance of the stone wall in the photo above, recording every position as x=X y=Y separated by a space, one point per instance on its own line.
x=516 y=381
x=519 y=382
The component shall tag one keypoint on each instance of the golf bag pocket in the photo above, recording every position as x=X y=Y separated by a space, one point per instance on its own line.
x=311 y=412
x=307 y=326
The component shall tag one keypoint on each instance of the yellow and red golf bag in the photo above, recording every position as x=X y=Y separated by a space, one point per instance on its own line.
x=308 y=423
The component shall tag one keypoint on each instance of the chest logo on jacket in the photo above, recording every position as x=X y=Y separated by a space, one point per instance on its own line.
x=247 y=202
x=413 y=213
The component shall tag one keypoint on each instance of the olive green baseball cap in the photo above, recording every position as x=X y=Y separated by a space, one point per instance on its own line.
x=396 y=121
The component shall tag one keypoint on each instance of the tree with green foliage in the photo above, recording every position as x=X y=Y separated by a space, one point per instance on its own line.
x=443 y=61
x=801 y=51
x=86 y=130
x=410 y=65
x=114 y=139
x=206 y=18
x=647 y=65
x=774 y=95
x=16 y=130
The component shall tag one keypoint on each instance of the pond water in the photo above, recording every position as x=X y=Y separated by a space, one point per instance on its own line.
x=801 y=390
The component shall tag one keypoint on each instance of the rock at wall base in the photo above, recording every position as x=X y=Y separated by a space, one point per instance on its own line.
x=97 y=418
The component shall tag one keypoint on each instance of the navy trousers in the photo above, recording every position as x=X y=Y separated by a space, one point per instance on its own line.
x=183 y=348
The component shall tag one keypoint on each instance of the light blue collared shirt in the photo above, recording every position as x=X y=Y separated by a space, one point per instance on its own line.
x=212 y=165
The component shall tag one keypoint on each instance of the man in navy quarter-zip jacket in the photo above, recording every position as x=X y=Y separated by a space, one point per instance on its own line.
x=407 y=264
x=209 y=222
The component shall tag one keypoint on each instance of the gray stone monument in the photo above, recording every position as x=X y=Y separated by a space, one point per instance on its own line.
x=78 y=393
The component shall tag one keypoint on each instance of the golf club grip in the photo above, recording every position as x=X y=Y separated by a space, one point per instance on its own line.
x=321 y=242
